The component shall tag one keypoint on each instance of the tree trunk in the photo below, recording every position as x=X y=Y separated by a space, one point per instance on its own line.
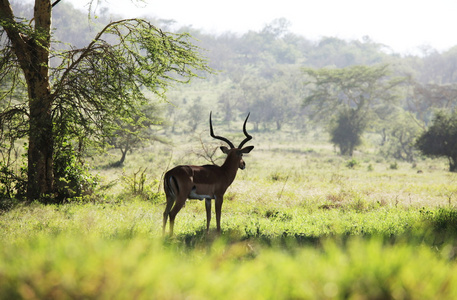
x=32 y=51
x=41 y=142
x=453 y=164
x=124 y=154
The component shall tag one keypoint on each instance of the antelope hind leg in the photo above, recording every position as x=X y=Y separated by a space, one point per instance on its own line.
x=208 y=213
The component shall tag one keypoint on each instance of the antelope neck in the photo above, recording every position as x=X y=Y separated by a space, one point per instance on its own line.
x=231 y=165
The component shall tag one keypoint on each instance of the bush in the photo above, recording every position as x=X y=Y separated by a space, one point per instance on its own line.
x=347 y=131
x=72 y=177
x=440 y=139
x=136 y=184
x=393 y=166
x=352 y=164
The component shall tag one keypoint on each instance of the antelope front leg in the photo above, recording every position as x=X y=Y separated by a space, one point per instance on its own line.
x=208 y=213
x=219 y=201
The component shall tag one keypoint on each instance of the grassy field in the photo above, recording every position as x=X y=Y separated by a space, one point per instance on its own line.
x=300 y=222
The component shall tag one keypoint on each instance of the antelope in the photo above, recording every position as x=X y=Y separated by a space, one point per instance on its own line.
x=204 y=182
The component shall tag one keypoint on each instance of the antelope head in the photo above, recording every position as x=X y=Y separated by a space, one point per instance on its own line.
x=234 y=152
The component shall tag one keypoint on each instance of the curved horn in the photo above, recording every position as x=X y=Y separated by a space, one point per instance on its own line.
x=248 y=137
x=218 y=137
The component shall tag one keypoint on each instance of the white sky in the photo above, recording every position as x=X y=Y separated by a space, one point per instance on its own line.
x=403 y=25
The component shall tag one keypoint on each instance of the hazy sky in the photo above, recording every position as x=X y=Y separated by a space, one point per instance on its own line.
x=402 y=25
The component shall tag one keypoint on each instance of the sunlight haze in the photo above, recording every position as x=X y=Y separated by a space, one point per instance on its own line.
x=404 y=26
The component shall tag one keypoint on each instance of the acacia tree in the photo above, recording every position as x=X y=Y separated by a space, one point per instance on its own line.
x=400 y=130
x=348 y=98
x=272 y=96
x=425 y=98
x=81 y=94
x=440 y=139
x=134 y=131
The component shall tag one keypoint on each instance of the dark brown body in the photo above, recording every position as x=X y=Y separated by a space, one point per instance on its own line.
x=203 y=183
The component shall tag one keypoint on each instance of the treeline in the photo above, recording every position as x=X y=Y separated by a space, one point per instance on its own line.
x=270 y=73
x=265 y=72
x=261 y=71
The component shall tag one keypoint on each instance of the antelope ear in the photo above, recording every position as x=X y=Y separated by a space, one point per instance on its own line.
x=225 y=149
x=247 y=149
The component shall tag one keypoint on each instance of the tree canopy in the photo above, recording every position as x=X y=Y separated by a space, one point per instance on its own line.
x=440 y=139
x=351 y=96
x=74 y=94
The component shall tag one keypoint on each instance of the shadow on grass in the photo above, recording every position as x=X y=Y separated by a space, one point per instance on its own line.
x=436 y=228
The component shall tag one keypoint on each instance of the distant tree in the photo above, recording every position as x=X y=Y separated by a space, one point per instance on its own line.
x=425 y=98
x=335 y=52
x=438 y=68
x=350 y=97
x=272 y=95
x=440 y=139
x=401 y=131
x=195 y=114
x=229 y=100
x=87 y=89
x=346 y=132
x=135 y=131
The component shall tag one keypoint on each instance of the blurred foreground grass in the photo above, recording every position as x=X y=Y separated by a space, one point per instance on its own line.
x=115 y=251
x=81 y=267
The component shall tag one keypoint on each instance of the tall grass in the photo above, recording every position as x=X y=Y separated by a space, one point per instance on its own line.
x=297 y=223
x=115 y=251
x=90 y=267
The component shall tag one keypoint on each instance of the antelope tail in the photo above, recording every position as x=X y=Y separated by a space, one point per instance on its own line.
x=170 y=184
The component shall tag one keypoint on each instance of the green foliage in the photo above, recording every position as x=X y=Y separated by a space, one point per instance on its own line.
x=272 y=95
x=137 y=185
x=261 y=73
x=12 y=185
x=353 y=95
x=430 y=96
x=399 y=135
x=73 y=178
x=361 y=88
x=440 y=139
x=393 y=166
x=353 y=163
x=91 y=92
x=347 y=131
x=442 y=220
x=195 y=114
x=113 y=89
x=135 y=131
x=278 y=176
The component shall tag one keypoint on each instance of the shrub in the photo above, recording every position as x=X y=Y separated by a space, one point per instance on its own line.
x=440 y=139
x=137 y=184
x=352 y=164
